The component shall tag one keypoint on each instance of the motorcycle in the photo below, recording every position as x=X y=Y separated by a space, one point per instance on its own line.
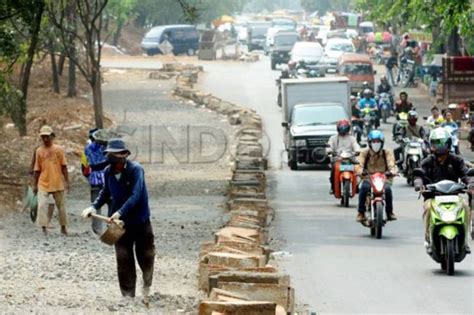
x=407 y=72
x=448 y=226
x=345 y=180
x=375 y=205
x=385 y=106
x=402 y=122
x=454 y=131
x=413 y=154
x=357 y=128
x=370 y=119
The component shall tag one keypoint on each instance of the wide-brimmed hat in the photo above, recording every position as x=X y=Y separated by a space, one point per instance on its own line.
x=46 y=131
x=116 y=146
x=104 y=135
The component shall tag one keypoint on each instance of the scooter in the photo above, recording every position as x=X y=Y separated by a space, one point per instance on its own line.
x=448 y=226
x=407 y=72
x=345 y=179
x=385 y=106
x=454 y=131
x=370 y=119
x=413 y=154
x=402 y=122
x=375 y=205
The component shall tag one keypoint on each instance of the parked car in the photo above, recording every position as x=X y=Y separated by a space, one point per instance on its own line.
x=359 y=69
x=334 y=49
x=283 y=44
x=184 y=39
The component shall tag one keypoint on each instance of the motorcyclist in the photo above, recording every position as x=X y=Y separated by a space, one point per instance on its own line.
x=368 y=101
x=384 y=86
x=412 y=130
x=341 y=142
x=365 y=86
x=372 y=160
x=436 y=119
x=403 y=104
x=440 y=165
x=452 y=128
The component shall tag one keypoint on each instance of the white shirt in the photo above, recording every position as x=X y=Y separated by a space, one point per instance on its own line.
x=338 y=144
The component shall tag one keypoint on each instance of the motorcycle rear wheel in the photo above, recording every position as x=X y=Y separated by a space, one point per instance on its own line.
x=449 y=256
x=378 y=223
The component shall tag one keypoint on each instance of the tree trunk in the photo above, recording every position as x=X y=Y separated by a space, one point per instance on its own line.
x=25 y=80
x=62 y=59
x=97 y=98
x=71 y=87
x=117 y=34
x=54 y=67
x=453 y=48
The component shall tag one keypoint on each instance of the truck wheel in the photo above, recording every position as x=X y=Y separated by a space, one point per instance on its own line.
x=292 y=162
x=273 y=65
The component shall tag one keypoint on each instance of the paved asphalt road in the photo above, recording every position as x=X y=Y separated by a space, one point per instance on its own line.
x=335 y=266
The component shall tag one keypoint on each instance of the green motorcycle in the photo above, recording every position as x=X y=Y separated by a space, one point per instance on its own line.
x=448 y=226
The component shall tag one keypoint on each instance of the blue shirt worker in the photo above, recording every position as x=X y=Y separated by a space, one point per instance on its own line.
x=97 y=162
x=124 y=184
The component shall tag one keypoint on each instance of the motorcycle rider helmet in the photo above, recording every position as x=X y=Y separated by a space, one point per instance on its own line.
x=343 y=127
x=376 y=140
x=440 y=141
x=367 y=93
x=383 y=79
x=412 y=117
x=365 y=85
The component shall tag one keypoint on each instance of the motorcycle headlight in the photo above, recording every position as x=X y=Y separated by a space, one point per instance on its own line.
x=378 y=184
x=448 y=216
x=300 y=143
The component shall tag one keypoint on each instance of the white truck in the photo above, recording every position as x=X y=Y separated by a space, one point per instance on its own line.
x=311 y=109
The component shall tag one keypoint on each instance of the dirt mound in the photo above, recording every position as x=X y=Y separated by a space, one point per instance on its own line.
x=71 y=118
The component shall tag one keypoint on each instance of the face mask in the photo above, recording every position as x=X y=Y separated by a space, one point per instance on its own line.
x=115 y=160
x=376 y=147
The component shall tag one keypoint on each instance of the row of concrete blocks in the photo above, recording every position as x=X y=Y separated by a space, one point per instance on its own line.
x=234 y=267
x=236 y=115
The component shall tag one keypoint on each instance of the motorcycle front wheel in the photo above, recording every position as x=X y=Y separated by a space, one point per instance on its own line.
x=346 y=193
x=449 y=257
x=378 y=224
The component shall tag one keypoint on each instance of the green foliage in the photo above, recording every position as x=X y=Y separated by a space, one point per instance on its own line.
x=316 y=5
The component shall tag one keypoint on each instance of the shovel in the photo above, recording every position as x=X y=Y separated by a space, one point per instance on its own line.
x=114 y=230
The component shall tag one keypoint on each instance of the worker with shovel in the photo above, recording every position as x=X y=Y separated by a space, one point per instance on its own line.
x=124 y=185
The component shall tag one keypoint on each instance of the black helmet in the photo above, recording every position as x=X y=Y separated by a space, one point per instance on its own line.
x=367 y=92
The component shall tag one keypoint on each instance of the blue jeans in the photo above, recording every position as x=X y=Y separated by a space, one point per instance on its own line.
x=365 y=189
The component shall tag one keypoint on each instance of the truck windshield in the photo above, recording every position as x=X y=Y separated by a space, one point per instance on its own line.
x=285 y=40
x=259 y=32
x=318 y=115
x=357 y=69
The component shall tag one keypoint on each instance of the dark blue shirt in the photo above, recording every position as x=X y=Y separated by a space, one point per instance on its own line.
x=128 y=194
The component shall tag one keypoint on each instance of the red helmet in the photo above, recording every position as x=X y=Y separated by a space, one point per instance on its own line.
x=343 y=127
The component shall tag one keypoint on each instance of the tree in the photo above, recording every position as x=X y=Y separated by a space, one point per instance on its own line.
x=446 y=19
x=87 y=33
x=322 y=6
x=18 y=17
x=120 y=12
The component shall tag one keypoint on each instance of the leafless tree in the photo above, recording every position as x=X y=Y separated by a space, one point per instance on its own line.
x=85 y=31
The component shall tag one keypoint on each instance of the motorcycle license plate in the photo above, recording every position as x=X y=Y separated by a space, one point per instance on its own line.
x=346 y=168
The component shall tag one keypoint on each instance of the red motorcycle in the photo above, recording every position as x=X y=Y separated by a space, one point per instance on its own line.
x=375 y=205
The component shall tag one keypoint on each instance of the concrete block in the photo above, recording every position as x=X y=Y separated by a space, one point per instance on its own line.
x=248 y=203
x=226 y=296
x=237 y=308
x=242 y=235
x=248 y=277
x=236 y=260
x=280 y=294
